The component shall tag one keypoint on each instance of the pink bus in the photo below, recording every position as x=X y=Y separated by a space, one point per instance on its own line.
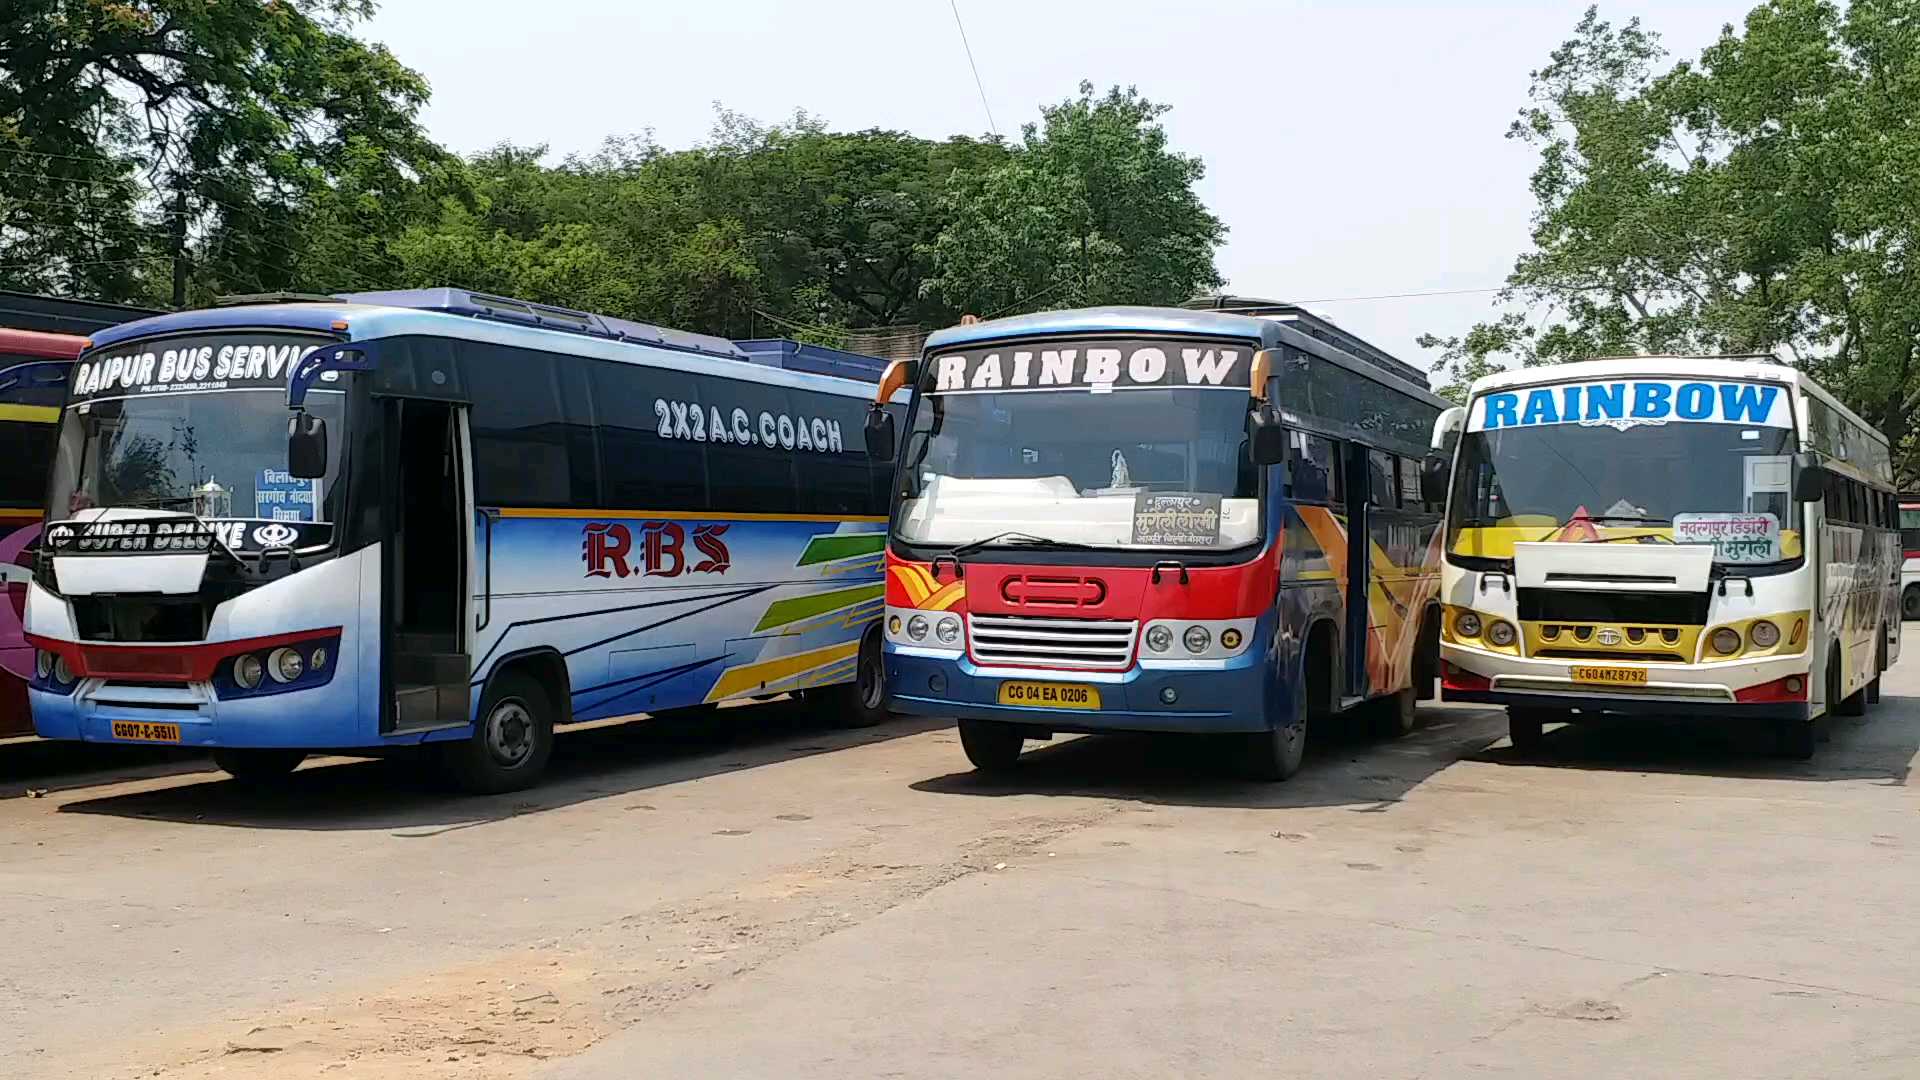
x=33 y=375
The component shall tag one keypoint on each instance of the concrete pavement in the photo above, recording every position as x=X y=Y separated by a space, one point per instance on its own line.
x=775 y=898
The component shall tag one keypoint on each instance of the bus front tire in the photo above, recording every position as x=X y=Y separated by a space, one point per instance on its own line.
x=992 y=746
x=511 y=741
x=1910 y=603
x=1393 y=716
x=1795 y=739
x=257 y=766
x=1526 y=727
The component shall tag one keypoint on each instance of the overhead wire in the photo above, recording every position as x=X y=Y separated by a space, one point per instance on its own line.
x=978 y=84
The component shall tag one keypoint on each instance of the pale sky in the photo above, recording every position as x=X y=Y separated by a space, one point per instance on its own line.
x=1353 y=149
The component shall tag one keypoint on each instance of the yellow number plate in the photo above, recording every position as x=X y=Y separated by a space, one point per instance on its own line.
x=1049 y=695
x=145 y=732
x=1614 y=676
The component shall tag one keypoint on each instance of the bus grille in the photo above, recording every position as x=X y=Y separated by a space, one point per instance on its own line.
x=1041 y=642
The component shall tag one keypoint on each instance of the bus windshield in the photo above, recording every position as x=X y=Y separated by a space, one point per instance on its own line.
x=1651 y=483
x=1143 y=468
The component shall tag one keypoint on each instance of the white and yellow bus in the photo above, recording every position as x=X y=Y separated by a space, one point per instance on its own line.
x=1667 y=535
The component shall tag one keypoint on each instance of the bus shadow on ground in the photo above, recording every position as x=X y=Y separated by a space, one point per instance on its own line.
x=37 y=765
x=1344 y=767
x=589 y=762
x=1878 y=746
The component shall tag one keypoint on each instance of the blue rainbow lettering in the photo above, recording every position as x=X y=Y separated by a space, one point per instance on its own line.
x=1651 y=400
x=1746 y=401
x=1502 y=411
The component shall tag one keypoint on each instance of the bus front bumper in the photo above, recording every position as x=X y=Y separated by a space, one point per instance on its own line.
x=1223 y=698
x=1750 y=690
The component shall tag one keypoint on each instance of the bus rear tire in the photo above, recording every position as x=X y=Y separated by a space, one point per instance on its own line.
x=511 y=741
x=992 y=746
x=1393 y=716
x=861 y=703
x=1910 y=603
x=257 y=766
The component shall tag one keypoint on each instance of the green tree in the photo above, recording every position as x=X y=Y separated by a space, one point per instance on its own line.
x=1760 y=199
x=1091 y=208
x=214 y=133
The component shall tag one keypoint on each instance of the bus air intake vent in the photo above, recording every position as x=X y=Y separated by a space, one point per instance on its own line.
x=1053 y=591
x=1057 y=643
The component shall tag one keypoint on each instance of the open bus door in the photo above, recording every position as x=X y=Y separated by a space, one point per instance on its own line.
x=1353 y=651
x=426 y=584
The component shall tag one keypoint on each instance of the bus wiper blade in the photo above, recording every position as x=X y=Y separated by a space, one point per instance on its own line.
x=1017 y=539
x=1630 y=517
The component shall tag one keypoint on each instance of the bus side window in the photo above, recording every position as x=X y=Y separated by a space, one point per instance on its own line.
x=1314 y=475
x=1380 y=479
x=1409 y=483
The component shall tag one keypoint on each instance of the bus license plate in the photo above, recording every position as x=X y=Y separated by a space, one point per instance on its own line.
x=1049 y=695
x=144 y=732
x=1611 y=676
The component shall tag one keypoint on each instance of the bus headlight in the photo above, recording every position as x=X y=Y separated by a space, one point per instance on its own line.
x=1501 y=633
x=248 y=671
x=285 y=665
x=1159 y=638
x=1725 y=641
x=947 y=630
x=1196 y=639
x=1468 y=624
x=1765 y=634
x=62 y=673
x=917 y=628
x=43 y=664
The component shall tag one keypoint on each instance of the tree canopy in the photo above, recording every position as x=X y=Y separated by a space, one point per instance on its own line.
x=1762 y=198
x=171 y=151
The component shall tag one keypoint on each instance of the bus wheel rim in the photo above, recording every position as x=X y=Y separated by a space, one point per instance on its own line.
x=509 y=734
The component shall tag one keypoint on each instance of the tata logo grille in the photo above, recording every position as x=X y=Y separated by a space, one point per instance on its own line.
x=1053 y=591
x=1608 y=636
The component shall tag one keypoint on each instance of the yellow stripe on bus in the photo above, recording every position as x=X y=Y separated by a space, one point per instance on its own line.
x=31 y=414
x=678 y=515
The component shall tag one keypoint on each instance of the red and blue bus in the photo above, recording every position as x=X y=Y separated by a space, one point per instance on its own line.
x=33 y=372
x=1154 y=519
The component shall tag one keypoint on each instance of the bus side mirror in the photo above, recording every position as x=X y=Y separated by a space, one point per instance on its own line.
x=1809 y=479
x=306 y=446
x=879 y=432
x=1446 y=430
x=1266 y=437
x=1433 y=478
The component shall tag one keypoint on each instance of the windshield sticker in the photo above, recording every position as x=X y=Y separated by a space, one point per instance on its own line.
x=170 y=535
x=1099 y=366
x=1736 y=538
x=181 y=367
x=1183 y=520
x=1633 y=403
x=278 y=495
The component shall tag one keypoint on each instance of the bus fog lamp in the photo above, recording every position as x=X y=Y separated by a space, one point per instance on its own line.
x=1159 y=638
x=893 y=625
x=1196 y=639
x=319 y=659
x=947 y=630
x=1501 y=633
x=1794 y=685
x=1765 y=634
x=1468 y=624
x=248 y=671
x=285 y=665
x=1725 y=641
x=1168 y=695
x=1230 y=638
x=917 y=628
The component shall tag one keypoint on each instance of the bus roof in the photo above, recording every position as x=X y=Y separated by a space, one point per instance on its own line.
x=1108 y=320
x=320 y=314
x=1670 y=365
x=40 y=344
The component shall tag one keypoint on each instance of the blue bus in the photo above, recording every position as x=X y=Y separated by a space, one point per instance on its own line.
x=446 y=520
x=1156 y=519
